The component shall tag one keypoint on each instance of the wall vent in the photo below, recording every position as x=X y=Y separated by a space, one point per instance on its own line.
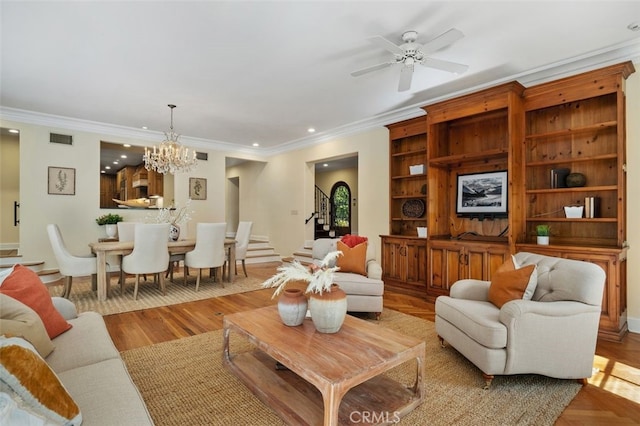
x=61 y=139
x=202 y=156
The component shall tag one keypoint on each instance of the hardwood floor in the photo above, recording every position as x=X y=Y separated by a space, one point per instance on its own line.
x=612 y=396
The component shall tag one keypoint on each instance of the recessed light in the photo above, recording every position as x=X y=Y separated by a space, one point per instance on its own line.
x=115 y=162
x=311 y=130
x=145 y=128
x=123 y=156
x=255 y=144
x=126 y=145
x=102 y=171
x=325 y=165
x=107 y=167
x=14 y=131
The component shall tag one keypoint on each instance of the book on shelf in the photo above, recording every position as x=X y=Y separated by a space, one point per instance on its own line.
x=559 y=178
x=591 y=207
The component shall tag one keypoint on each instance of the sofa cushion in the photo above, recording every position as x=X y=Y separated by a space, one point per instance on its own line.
x=19 y=320
x=509 y=283
x=26 y=377
x=24 y=285
x=478 y=320
x=106 y=394
x=352 y=259
x=87 y=343
x=359 y=284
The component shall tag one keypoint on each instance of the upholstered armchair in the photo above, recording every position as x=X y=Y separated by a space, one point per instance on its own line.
x=553 y=334
x=360 y=279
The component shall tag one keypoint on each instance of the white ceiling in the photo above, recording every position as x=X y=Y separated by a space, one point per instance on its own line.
x=262 y=72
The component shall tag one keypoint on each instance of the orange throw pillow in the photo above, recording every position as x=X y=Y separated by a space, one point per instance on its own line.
x=510 y=284
x=25 y=286
x=353 y=240
x=353 y=259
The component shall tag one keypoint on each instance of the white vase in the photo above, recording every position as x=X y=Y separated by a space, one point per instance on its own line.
x=174 y=232
x=543 y=240
x=111 y=230
x=328 y=309
x=292 y=307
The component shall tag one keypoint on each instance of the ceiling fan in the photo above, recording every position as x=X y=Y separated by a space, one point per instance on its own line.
x=410 y=53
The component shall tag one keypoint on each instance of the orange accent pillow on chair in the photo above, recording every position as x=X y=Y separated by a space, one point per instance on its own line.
x=352 y=259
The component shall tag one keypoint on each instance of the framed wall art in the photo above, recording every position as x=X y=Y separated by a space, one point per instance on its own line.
x=62 y=181
x=197 y=188
x=482 y=194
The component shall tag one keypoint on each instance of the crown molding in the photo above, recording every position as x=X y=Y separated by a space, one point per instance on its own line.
x=629 y=51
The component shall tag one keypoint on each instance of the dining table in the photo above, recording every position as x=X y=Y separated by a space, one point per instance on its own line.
x=102 y=249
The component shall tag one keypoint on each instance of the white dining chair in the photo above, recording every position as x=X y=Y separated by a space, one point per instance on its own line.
x=71 y=266
x=209 y=252
x=126 y=232
x=150 y=254
x=243 y=235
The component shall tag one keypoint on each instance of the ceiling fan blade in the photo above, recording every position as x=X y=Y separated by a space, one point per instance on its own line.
x=406 y=73
x=445 y=65
x=387 y=45
x=370 y=69
x=443 y=40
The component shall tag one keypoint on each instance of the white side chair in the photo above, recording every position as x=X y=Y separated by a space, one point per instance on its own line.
x=69 y=265
x=209 y=251
x=150 y=253
x=126 y=232
x=243 y=235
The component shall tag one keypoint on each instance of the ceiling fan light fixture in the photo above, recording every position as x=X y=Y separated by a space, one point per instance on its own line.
x=170 y=156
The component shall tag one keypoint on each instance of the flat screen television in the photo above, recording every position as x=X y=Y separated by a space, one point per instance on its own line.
x=482 y=195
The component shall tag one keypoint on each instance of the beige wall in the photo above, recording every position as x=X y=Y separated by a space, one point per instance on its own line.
x=9 y=191
x=326 y=180
x=288 y=184
x=75 y=215
x=276 y=195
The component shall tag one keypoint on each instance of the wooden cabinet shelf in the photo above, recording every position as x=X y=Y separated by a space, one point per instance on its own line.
x=548 y=163
x=404 y=259
x=483 y=156
x=412 y=152
x=573 y=131
x=420 y=176
x=574 y=189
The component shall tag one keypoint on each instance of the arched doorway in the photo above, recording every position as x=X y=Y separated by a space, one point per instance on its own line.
x=341 y=208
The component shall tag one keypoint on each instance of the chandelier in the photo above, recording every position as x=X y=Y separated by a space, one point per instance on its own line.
x=170 y=156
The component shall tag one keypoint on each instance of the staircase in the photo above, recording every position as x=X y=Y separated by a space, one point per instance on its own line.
x=261 y=252
x=304 y=254
x=48 y=276
x=322 y=220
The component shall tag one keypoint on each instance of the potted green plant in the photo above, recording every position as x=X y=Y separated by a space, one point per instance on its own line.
x=110 y=220
x=543 y=234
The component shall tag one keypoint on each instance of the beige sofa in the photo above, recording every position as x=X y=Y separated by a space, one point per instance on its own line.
x=364 y=293
x=89 y=366
x=554 y=334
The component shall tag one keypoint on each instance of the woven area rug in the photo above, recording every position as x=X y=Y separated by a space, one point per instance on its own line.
x=185 y=382
x=149 y=294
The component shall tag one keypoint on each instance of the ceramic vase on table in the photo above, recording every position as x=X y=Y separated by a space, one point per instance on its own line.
x=111 y=229
x=328 y=309
x=174 y=232
x=292 y=307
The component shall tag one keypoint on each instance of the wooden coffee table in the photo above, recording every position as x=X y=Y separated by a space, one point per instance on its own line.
x=331 y=378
